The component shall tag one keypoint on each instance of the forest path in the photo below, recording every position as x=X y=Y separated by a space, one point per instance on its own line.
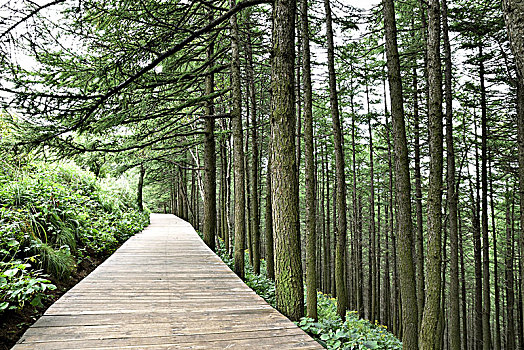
x=163 y=289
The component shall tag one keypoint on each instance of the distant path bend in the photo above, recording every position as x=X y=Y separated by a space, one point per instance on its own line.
x=163 y=289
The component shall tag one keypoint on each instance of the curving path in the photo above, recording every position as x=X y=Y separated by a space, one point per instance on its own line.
x=163 y=289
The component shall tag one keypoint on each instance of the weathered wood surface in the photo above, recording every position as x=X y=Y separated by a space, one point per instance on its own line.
x=163 y=289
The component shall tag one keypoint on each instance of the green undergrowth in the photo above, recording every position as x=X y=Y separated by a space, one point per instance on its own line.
x=52 y=217
x=330 y=331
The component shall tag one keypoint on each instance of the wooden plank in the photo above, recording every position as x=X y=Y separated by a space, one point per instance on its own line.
x=163 y=289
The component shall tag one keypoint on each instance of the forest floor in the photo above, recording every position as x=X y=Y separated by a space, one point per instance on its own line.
x=13 y=323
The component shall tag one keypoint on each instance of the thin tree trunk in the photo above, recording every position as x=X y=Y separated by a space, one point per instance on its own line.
x=463 y=288
x=429 y=333
x=452 y=197
x=340 y=251
x=270 y=259
x=478 y=259
x=310 y=169
x=372 y=229
x=140 y=191
x=288 y=284
x=419 y=265
x=210 y=204
x=255 y=218
x=510 y=282
x=497 y=340
x=486 y=307
x=238 y=149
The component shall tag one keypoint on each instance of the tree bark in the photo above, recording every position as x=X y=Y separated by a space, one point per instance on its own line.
x=510 y=282
x=452 y=197
x=429 y=332
x=210 y=200
x=238 y=149
x=270 y=259
x=255 y=218
x=140 y=191
x=288 y=284
x=310 y=169
x=486 y=297
x=514 y=16
x=403 y=185
x=340 y=250
x=372 y=229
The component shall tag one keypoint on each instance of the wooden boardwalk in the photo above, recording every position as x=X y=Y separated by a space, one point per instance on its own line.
x=163 y=289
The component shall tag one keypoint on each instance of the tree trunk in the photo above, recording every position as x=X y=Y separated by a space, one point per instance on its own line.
x=452 y=197
x=310 y=169
x=403 y=185
x=514 y=16
x=429 y=333
x=288 y=284
x=510 y=282
x=486 y=297
x=340 y=250
x=238 y=149
x=255 y=218
x=140 y=191
x=210 y=200
x=419 y=265
x=372 y=229
x=270 y=259
x=497 y=342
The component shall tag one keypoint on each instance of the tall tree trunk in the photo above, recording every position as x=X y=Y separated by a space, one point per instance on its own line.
x=419 y=265
x=255 y=218
x=238 y=149
x=310 y=169
x=353 y=257
x=140 y=190
x=510 y=282
x=463 y=289
x=288 y=284
x=340 y=250
x=210 y=200
x=372 y=229
x=270 y=258
x=329 y=241
x=497 y=342
x=486 y=307
x=478 y=261
x=452 y=197
x=378 y=267
x=403 y=185
x=514 y=16
x=429 y=333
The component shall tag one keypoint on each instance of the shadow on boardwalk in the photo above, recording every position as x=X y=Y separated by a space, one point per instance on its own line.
x=163 y=289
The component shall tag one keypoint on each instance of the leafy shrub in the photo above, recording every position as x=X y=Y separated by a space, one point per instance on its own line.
x=354 y=333
x=53 y=216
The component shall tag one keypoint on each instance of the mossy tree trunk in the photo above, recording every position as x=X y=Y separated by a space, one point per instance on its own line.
x=310 y=169
x=288 y=265
x=340 y=250
x=403 y=186
x=238 y=150
x=429 y=333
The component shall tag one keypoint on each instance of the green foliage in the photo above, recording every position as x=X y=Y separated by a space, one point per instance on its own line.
x=330 y=331
x=353 y=333
x=52 y=217
x=19 y=284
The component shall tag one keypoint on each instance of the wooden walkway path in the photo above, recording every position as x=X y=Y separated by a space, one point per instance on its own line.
x=163 y=289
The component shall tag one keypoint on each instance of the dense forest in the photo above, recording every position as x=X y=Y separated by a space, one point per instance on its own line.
x=375 y=155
